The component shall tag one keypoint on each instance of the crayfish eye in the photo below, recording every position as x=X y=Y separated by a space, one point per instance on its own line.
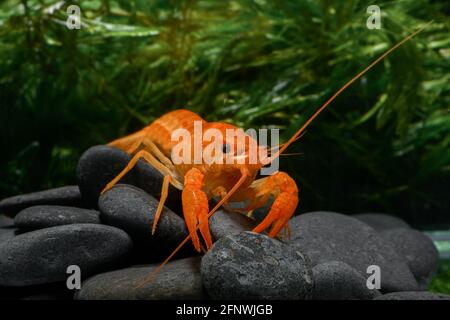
x=226 y=148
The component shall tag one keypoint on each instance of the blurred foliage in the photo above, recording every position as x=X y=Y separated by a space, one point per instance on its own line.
x=382 y=145
x=441 y=282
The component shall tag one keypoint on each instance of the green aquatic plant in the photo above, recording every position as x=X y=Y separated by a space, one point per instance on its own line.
x=441 y=282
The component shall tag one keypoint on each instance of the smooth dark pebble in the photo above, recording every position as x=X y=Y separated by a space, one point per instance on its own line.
x=418 y=251
x=133 y=210
x=329 y=236
x=6 y=221
x=178 y=280
x=43 y=256
x=381 y=221
x=39 y=217
x=224 y=223
x=336 y=280
x=64 y=196
x=7 y=233
x=253 y=266
x=99 y=165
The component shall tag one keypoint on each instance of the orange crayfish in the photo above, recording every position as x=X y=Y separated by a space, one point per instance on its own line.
x=231 y=182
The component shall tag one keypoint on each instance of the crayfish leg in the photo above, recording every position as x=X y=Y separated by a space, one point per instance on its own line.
x=284 y=189
x=195 y=208
x=162 y=200
x=129 y=143
x=140 y=154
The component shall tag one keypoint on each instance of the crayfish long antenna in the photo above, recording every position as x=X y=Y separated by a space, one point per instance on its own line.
x=154 y=273
x=284 y=146
x=342 y=89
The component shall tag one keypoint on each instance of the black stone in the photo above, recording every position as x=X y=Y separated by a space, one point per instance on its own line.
x=179 y=279
x=328 y=236
x=6 y=221
x=48 y=291
x=43 y=256
x=381 y=221
x=253 y=266
x=418 y=251
x=224 y=223
x=39 y=217
x=7 y=232
x=336 y=280
x=97 y=166
x=101 y=164
x=65 y=196
x=132 y=209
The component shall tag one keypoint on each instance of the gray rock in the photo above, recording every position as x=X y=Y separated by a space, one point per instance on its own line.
x=7 y=229
x=336 y=280
x=224 y=223
x=412 y=295
x=418 y=250
x=43 y=256
x=65 y=196
x=179 y=279
x=260 y=213
x=101 y=164
x=329 y=236
x=39 y=217
x=150 y=180
x=7 y=232
x=6 y=221
x=253 y=266
x=381 y=221
x=47 y=291
x=131 y=209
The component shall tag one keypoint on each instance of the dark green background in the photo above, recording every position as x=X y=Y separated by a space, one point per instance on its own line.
x=381 y=146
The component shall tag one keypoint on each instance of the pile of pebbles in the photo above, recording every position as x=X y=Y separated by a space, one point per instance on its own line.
x=109 y=238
